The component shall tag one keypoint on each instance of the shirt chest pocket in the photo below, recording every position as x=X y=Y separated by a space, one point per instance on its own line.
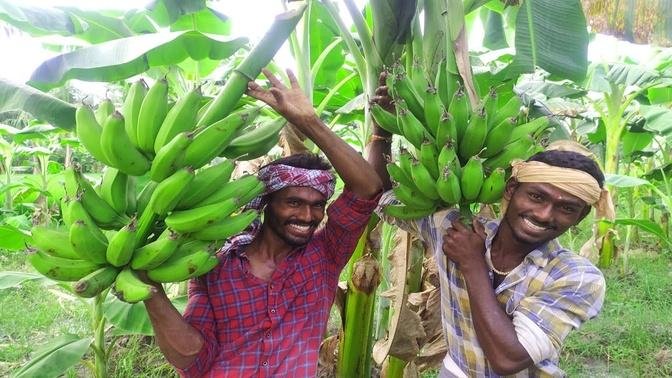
x=305 y=293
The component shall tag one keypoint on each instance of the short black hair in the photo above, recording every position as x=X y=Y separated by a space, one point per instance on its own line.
x=570 y=159
x=305 y=160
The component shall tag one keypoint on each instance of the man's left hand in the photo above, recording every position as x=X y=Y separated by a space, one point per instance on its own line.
x=290 y=102
x=465 y=246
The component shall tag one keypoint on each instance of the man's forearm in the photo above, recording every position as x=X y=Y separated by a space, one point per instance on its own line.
x=377 y=150
x=357 y=174
x=177 y=339
x=494 y=328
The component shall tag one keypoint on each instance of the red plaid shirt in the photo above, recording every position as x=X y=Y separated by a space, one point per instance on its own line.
x=266 y=329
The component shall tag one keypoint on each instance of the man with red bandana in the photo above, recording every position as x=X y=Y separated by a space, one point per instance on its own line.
x=262 y=311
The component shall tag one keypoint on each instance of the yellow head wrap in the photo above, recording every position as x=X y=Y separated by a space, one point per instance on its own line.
x=573 y=181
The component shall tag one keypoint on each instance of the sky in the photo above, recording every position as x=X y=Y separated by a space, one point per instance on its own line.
x=249 y=18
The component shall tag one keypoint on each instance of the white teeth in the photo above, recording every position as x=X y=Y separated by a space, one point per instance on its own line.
x=533 y=226
x=300 y=228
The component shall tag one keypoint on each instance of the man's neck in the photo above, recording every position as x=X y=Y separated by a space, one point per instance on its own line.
x=506 y=249
x=268 y=246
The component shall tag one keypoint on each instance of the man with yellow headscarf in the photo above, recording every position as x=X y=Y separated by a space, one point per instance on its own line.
x=510 y=293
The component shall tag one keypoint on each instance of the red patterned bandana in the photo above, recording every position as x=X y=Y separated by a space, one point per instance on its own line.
x=280 y=176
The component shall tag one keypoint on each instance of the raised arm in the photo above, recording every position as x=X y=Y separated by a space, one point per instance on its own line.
x=294 y=106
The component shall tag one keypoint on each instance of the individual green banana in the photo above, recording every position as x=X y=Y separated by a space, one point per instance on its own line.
x=448 y=159
x=169 y=191
x=533 y=128
x=493 y=186
x=411 y=128
x=472 y=178
x=151 y=115
x=59 y=268
x=88 y=241
x=403 y=88
x=518 y=149
x=151 y=255
x=433 y=110
x=114 y=189
x=474 y=135
x=412 y=197
x=145 y=196
x=167 y=159
x=407 y=212
x=206 y=267
x=206 y=182
x=399 y=176
x=89 y=132
x=180 y=118
x=53 y=241
x=95 y=282
x=192 y=220
x=129 y=288
x=460 y=109
x=508 y=110
x=104 y=109
x=428 y=157
x=146 y=224
x=490 y=106
x=180 y=269
x=121 y=246
x=131 y=108
x=131 y=195
x=191 y=246
x=446 y=130
x=250 y=144
x=448 y=187
x=119 y=150
x=447 y=83
x=100 y=211
x=229 y=226
x=248 y=184
x=424 y=181
x=417 y=76
x=386 y=120
x=212 y=140
x=498 y=137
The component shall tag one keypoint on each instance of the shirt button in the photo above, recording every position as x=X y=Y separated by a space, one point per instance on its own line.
x=265 y=363
x=272 y=311
x=268 y=334
x=272 y=286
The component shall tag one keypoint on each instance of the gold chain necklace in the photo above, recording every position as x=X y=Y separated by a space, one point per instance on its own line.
x=488 y=260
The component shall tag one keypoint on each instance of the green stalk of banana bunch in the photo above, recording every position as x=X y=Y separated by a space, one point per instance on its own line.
x=251 y=66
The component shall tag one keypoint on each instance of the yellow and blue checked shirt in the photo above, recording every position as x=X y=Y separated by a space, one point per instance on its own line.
x=553 y=287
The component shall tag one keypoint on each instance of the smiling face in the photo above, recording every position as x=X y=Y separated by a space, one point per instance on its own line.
x=539 y=212
x=293 y=214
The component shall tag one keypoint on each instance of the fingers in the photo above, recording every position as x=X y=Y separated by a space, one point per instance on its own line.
x=382 y=79
x=292 y=79
x=272 y=79
x=479 y=228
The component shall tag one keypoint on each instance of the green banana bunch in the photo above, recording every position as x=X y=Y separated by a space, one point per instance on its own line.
x=180 y=118
x=89 y=132
x=403 y=90
x=411 y=127
x=53 y=241
x=206 y=182
x=152 y=112
x=118 y=148
x=131 y=108
x=153 y=254
x=184 y=267
x=192 y=220
x=60 y=268
x=166 y=161
x=407 y=212
x=522 y=148
x=122 y=245
x=212 y=140
x=169 y=191
x=129 y=288
x=229 y=226
x=100 y=211
x=95 y=282
x=250 y=144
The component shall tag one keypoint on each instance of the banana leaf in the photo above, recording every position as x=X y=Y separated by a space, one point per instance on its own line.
x=125 y=57
x=165 y=12
x=55 y=357
x=391 y=26
x=38 y=21
x=552 y=35
x=40 y=105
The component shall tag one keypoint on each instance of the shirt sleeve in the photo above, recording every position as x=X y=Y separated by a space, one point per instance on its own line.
x=562 y=306
x=346 y=218
x=199 y=314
